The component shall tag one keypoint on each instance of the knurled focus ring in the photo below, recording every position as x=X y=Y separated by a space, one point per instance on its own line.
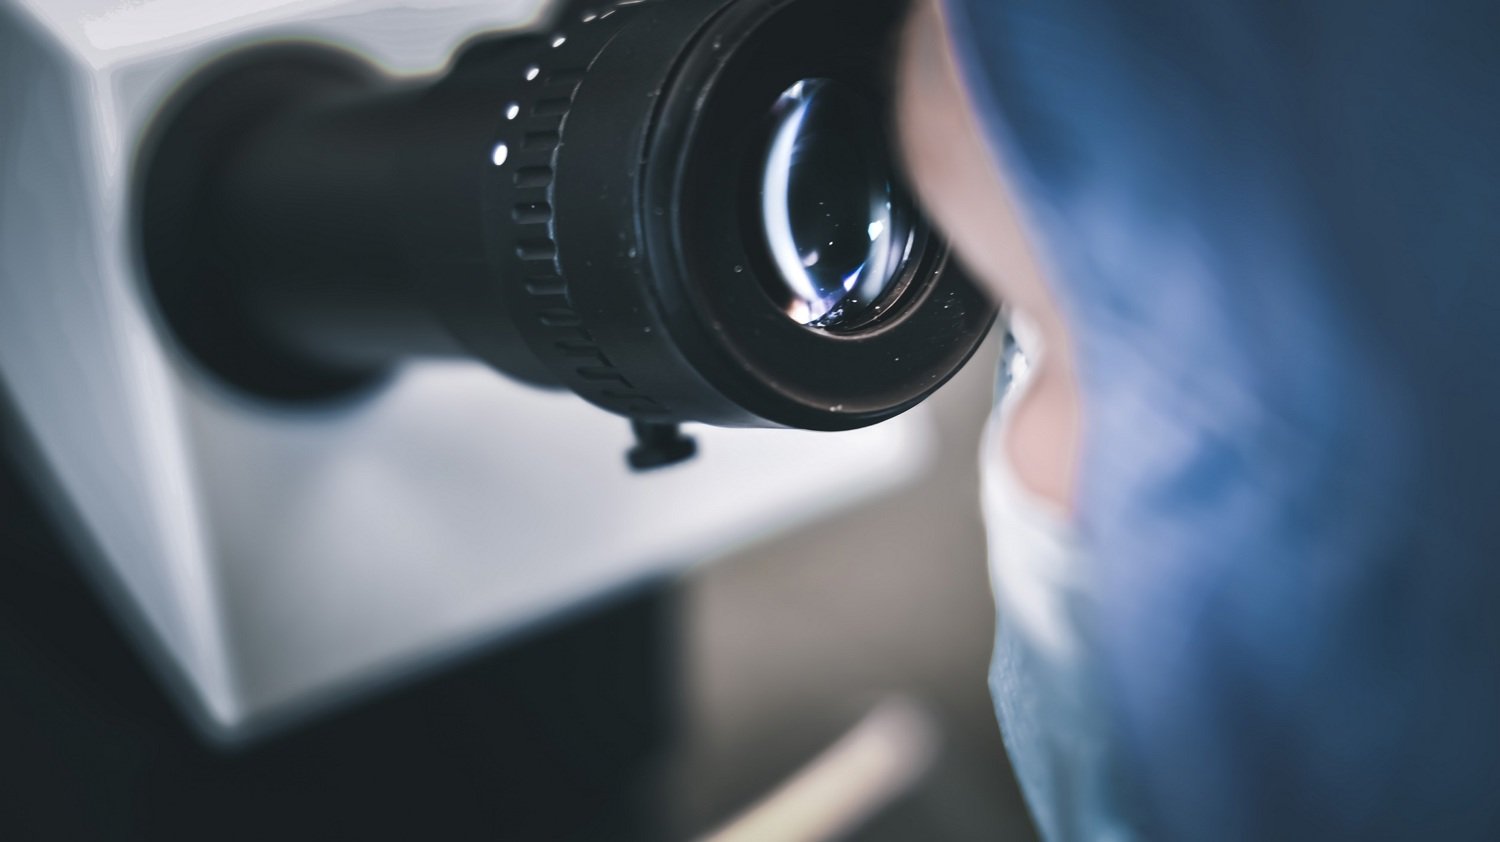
x=524 y=157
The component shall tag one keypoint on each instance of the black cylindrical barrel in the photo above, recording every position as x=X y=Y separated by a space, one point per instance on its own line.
x=354 y=220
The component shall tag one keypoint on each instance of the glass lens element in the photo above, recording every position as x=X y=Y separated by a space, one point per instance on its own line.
x=837 y=228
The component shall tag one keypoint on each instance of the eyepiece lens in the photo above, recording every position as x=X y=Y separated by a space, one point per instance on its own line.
x=836 y=226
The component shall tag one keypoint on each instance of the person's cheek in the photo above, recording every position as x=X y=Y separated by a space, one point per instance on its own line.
x=963 y=189
x=951 y=169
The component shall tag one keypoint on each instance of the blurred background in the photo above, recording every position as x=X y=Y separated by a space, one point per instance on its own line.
x=789 y=644
x=826 y=683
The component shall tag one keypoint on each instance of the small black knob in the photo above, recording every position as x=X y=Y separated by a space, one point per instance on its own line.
x=659 y=445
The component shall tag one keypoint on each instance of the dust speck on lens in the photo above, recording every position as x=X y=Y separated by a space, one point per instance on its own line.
x=835 y=224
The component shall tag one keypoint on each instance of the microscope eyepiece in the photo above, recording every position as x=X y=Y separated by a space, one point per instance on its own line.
x=681 y=210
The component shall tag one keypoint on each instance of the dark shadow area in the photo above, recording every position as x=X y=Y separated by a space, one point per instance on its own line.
x=557 y=737
x=660 y=715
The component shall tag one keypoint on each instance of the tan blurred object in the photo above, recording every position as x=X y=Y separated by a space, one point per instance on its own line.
x=879 y=759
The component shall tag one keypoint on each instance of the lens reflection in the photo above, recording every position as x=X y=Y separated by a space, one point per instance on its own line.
x=836 y=227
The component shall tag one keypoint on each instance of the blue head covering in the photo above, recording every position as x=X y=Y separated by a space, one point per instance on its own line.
x=1274 y=229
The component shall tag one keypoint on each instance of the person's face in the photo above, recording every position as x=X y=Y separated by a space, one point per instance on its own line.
x=954 y=172
x=961 y=183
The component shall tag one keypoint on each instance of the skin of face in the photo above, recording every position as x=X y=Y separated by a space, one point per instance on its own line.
x=961 y=183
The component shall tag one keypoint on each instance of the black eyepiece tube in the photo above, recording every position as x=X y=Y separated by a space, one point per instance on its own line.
x=681 y=210
x=325 y=232
x=344 y=216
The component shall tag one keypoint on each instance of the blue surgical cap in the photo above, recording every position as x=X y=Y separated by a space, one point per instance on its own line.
x=1274 y=231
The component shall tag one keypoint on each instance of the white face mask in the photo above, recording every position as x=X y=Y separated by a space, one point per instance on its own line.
x=1043 y=677
x=1035 y=557
x=1034 y=553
